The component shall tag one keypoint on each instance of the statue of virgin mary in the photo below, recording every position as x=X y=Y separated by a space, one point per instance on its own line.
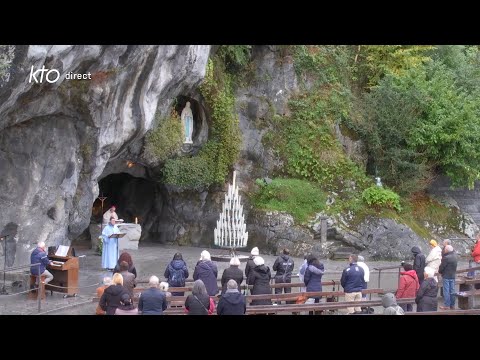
x=187 y=121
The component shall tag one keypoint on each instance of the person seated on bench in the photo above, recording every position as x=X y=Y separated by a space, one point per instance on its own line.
x=152 y=301
x=164 y=287
x=389 y=302
x=126 y=306
x=232 y=301
x=199 y=302
x=260 y=277
x=207 y=271
x=40 y=256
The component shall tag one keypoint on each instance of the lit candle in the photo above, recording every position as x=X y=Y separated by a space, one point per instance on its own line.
x=136 y=220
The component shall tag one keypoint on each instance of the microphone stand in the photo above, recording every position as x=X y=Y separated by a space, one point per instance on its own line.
x=3 y=291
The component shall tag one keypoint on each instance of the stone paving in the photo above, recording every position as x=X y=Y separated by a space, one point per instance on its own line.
x=152 y=259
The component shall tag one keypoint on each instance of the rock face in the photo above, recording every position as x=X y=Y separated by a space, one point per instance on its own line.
x=57 y=137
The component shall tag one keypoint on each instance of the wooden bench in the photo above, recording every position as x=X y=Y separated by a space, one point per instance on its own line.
x=447 y=312
x=294 y=308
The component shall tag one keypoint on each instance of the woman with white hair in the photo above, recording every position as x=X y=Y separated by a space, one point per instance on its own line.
x=207 y=271
x=260 y=277
x=233 y=272
x=426 y=298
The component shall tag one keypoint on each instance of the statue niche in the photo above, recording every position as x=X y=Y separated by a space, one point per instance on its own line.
x=187 y=122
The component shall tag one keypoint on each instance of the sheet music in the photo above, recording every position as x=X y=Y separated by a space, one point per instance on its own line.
x=62 y=250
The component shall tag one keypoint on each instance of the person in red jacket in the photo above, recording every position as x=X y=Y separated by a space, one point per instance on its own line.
x=408 y=286
x=476 y=257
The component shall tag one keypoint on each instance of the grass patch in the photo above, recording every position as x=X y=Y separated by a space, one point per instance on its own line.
x=300 y=198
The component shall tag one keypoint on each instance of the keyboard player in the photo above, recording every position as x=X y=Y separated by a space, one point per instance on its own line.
x=40 y=256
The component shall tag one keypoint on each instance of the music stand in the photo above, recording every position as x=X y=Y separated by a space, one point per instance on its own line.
x=3 y=291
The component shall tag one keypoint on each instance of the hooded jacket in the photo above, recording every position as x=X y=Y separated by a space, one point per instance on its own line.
x=426 y=298
x=408 y=285
x=232 y=303
x=418 y=262
x=390 y=304
x=176 y=265
x=313 y=277
x=111 y=297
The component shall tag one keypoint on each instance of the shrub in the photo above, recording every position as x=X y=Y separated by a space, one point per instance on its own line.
x=166 y=139
x=380 y=197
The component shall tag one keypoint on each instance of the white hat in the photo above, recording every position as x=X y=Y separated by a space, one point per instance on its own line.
x=255 y=251
x=259 y=261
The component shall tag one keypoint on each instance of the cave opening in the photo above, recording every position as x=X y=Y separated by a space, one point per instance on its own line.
x=133 y=197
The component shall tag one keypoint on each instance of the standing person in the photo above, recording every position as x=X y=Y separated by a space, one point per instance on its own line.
x=418 y=263
x=232 y=273
x=475 y=258
x=283 y=266
x=176 y=273
x=448 y=269
x=426 y=298
x=112 y=295
x=207 y=271
x=109 y=214
x=366 y=276
x=125 y=256
x=152 y=301
x=232 y=302
x=110 y=245
x=40 y=256
x=353 y=282
x=313 y=278
x=407 y=286
x=260 y=277
x=301 y=272
x=434 y=258
x=198 y=302
x=107 y=281
x=250 y=264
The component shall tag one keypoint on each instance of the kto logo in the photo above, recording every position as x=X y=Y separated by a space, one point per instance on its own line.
x=50 y=75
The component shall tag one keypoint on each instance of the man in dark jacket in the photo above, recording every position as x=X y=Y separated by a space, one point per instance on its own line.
x=447 y=269
x=284 y=267
x=232 y=302
x=418 y=263
x=353 y=283
x=40 y=256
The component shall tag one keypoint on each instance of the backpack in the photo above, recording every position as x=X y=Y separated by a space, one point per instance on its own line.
x=177 y=277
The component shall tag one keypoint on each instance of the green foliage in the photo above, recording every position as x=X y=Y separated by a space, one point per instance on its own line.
x=426 y=120
x=327 y=64
x=300 y=198
x=99 y=248
x=234 y=57
x=166 y=139
x=211 y=165
x=380 y=197
x=373 y=62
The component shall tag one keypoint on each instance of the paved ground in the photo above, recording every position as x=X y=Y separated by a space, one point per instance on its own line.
x=152 y=259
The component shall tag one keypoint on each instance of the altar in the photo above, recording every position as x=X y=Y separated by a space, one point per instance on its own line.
x=130 y=241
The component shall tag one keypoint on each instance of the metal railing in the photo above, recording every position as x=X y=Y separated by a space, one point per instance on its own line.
x=39 y=297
